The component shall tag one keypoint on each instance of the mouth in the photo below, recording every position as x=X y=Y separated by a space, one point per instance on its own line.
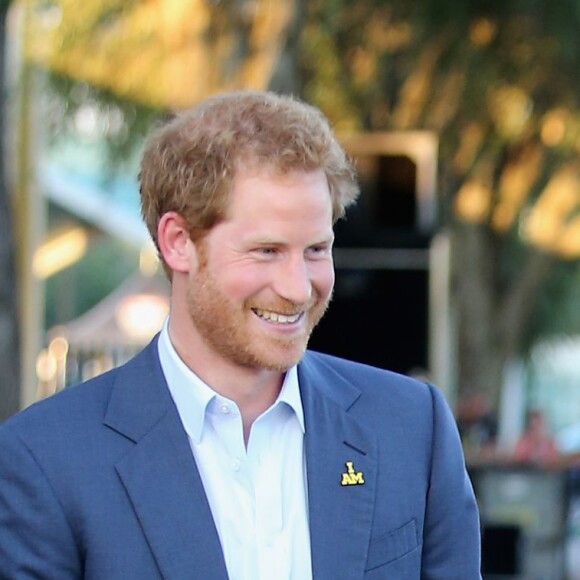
x=277 y=317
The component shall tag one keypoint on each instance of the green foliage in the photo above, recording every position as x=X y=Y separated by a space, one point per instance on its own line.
x=123 y=135
x=496 y=80
x=558 y=310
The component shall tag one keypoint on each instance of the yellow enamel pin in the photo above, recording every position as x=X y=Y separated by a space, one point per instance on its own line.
x=352 y=477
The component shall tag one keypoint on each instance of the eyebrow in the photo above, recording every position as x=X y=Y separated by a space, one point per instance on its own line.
x=279 y=242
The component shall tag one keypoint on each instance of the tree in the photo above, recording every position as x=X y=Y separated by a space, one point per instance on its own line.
x=496 y=82
x=166 y=55
x=9 y=335
x=130 y=62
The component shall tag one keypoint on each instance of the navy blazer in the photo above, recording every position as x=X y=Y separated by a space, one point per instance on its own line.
x=99 y=481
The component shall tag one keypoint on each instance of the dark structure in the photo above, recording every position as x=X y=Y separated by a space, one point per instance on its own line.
x=380 y=310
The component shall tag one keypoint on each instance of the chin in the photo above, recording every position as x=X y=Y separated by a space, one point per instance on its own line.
x=283 y=361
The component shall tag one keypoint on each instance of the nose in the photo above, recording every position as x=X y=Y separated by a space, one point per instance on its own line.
x=294 y=281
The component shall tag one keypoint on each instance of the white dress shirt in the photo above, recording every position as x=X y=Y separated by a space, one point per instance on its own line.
x=257 y=494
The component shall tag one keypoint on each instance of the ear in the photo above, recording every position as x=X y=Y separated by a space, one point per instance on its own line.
x=175 y=245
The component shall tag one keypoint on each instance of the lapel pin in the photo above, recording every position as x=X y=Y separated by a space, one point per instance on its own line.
x=352 y=477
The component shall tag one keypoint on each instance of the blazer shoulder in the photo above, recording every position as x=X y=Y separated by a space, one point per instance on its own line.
x=74 y=402
x=83 y=403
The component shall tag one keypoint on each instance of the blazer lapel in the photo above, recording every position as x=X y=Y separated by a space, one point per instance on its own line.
x=341 y=463
x=160 y=475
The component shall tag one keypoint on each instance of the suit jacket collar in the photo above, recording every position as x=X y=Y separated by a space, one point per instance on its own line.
x=162 y=481
x=341 y=516
x=159 y=473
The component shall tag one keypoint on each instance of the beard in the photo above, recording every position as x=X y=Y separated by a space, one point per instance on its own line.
x=229 y=330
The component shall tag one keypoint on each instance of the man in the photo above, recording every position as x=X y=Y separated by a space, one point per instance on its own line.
x=223 y=450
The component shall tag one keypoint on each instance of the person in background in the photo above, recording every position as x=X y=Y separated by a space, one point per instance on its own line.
x=226 y=449
x=477 y=424
x=536 y=444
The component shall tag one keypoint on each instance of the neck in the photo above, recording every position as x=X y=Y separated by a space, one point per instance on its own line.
x=253 y=390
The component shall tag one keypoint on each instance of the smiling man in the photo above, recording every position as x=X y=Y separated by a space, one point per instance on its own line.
x=226 y=449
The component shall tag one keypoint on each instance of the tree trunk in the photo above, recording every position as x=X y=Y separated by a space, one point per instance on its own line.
x=493 y=319
x=480 y=357
x=286 y=74
x=9 y=335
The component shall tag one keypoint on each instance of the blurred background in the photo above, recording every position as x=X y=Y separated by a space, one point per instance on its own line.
x=460 y=265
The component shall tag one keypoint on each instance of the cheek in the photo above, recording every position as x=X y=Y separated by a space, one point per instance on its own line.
x=323 y=280
x=244 y=282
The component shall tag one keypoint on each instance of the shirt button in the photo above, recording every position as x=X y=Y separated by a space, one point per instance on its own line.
x=236 y=464
x=225 y=409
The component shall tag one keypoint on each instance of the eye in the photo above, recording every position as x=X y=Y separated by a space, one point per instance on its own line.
x=319 y=250
x=266 y=251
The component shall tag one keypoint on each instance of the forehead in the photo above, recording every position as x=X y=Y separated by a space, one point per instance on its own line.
x=267 y=181
x=300 y=199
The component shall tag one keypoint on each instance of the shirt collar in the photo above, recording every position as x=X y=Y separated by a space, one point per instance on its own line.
x=290 y=394
x=191 y=395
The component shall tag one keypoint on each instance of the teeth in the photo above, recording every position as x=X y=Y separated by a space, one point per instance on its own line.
x=275 y=317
